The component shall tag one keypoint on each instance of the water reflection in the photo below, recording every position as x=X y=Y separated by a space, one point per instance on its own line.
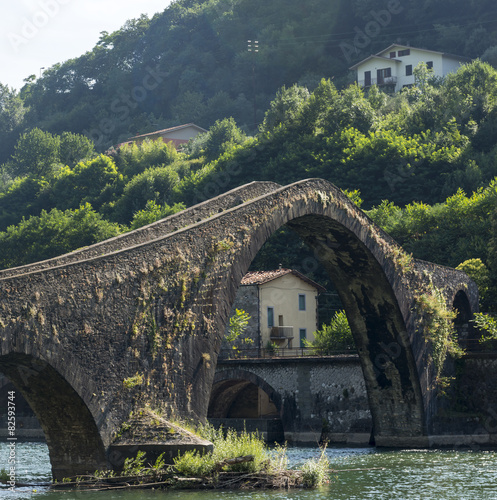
x=362 y=473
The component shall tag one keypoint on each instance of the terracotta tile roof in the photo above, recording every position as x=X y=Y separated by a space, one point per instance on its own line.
x=261 y=277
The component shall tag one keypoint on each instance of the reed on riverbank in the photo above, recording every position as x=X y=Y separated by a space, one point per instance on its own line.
x=238 y=461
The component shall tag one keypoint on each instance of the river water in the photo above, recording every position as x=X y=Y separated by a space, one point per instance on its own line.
x=399 y=475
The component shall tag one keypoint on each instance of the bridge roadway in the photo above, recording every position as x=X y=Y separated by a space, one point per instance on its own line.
x=96 y=336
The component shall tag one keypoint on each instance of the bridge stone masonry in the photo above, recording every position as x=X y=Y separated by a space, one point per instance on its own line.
x=317 y=398
x=94 y=338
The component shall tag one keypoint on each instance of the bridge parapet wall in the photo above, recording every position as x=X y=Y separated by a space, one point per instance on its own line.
x=151 y=232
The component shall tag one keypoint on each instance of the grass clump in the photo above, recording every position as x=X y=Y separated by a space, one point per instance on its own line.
x=227 y=446
x=131 y=382
x=315 y=472
x=194 y=464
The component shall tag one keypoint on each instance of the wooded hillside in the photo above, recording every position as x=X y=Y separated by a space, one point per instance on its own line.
x=422 y=162
x=191 y=62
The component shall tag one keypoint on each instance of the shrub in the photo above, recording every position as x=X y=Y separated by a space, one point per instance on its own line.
x=336 y=336
x=226 y=447
x=315 y=472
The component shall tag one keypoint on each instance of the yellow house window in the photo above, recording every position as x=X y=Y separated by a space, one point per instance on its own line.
x=301 y=302
x=270 y=317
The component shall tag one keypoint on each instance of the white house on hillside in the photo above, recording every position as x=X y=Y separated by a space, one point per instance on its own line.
x=177 y=135
x=392 y=68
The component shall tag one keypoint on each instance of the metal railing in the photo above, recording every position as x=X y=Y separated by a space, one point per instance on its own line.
x=281 y=332
x=388 y=80
x=279 y=352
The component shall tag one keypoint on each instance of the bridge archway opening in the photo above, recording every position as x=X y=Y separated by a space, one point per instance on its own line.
x=363 y=277
x=466 y=334
x=70 y=430
x=246 y=402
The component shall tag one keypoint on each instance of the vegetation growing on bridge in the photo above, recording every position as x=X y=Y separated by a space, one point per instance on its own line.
x=438 y=329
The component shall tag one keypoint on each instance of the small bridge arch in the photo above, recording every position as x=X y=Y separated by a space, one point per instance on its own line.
x=70 y=429
x=228 y=387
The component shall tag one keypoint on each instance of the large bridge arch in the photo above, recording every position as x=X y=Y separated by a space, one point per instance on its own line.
x=72 y=436
x=138 y=321
x=376 y=282
x=367 y=291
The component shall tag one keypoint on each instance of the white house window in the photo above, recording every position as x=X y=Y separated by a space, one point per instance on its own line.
x=405 y=52
x=367 y=78
x=383 y=74
x=301 y=302
x=429 y=64
x=303 y=336
x=409 y=70
x=393 y=54
x=270 y=317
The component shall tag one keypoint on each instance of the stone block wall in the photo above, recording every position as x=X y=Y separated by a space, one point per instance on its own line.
x=318 y=398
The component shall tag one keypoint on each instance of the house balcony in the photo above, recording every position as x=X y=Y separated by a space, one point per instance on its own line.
x=281 y=333
x=381 y=82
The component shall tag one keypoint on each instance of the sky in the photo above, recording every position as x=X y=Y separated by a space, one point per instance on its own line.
x=36 y=34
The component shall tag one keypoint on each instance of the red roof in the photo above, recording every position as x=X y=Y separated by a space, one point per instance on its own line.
x=261 y=277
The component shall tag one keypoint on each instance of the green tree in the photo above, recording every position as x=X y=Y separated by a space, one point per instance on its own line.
x=285 y=107
x=12 y=110
x=334 y=337
x=237 y=327
x=218 y=139
x=155 y=184
x=154 y=212
x=422 y=76
x=35 y=153
x=24 y=197
x=75 y=148
x=95 y=181
x=53 y=233
x=133 y=159
x=478 y=272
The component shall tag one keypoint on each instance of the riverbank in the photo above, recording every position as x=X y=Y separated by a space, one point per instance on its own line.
x=231 y=460
x=287 y=479
x=386 y=474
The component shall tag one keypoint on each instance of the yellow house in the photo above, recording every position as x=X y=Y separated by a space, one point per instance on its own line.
x=282 y=305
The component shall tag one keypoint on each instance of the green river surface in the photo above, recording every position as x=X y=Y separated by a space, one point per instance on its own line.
x=383 y=474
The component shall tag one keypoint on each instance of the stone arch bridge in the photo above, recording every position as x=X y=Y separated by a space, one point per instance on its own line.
x=137 y=321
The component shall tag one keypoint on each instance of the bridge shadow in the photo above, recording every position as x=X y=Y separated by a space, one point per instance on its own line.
x=241 y=400
x=70 y=430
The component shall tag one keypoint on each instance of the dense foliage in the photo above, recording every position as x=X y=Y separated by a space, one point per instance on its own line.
x=427 y=177
x=423 y=162
x=191 y=63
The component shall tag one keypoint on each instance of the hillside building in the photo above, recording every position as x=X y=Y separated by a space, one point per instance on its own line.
x=392 y=68
x=177 y=135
